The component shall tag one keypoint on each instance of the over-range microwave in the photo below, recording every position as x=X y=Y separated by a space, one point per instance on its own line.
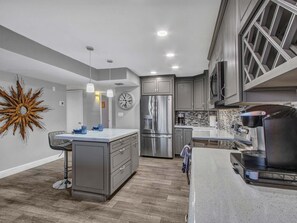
x=217 y=85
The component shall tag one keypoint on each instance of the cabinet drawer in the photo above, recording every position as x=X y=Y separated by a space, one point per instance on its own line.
x=120 y=157
x=118 y=144
x=119 y=176
x=134 y=138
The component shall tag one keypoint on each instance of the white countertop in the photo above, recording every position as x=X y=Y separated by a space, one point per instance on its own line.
x=211 y=134
x=219 y=195
x=107 y=135
x=183 y=126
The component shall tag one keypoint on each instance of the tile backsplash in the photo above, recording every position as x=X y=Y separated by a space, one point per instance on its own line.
x=201 y=118
x=196 y=118
x=226 y=117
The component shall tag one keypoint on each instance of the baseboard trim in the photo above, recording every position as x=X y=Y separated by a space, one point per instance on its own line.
x=27 y=166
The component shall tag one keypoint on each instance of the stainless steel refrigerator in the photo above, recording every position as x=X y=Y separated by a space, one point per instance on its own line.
x=156 y=126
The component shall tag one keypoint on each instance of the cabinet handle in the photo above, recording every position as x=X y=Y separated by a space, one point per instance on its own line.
x=122 y=168
x=122 y=150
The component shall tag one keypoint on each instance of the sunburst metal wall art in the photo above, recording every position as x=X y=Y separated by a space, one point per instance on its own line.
x=20 y=110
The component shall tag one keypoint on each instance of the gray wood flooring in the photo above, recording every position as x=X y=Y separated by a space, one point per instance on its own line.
x=158 y=192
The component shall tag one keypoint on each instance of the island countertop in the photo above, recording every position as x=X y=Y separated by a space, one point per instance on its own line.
x=217 y=194
x=107 y=135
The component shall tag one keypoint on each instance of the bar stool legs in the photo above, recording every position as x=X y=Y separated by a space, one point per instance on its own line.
x=65 y=183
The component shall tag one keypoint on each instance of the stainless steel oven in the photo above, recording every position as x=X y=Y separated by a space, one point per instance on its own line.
x=217 y=85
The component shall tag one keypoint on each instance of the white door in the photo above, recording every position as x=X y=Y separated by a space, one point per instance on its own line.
x=74 y=107
x=105 y=112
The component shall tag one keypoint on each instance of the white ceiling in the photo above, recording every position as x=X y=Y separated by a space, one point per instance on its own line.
x=124 y=31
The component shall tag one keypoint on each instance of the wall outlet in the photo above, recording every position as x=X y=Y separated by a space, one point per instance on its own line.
x=54 y=89
x=62 y=103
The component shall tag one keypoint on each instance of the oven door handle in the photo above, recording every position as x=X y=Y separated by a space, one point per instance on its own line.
x=211 y=86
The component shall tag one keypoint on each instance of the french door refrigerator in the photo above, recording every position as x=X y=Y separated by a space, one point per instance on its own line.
x=156 y=126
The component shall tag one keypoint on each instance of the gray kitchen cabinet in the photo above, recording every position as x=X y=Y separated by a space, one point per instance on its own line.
x=148 y=86
x=178 y=140
x=246 y=9
x=182 y=136
x=99 y=169
x=184 y=95
x=135 y=155
x=190 y=93
x=230 y=38
x=242 y=7
x=224 y=47
x=157 y=85
x=258 y=42
x=199 y=94
x=187 y=136
x=90 y=167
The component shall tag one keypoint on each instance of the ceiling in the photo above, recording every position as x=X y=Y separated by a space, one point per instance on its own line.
x=124 y=31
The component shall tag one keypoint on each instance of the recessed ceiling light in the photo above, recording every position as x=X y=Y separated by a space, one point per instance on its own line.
x=170 y=55
x=175 y=67
x=153 y=72
x=162 y=33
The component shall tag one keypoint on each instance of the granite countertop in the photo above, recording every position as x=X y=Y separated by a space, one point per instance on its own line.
x=217 y=194
x=107 y=135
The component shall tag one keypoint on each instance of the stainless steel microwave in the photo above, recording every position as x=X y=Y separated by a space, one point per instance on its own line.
x=217 y=85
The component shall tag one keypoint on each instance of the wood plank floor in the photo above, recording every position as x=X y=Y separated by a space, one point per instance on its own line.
x=158 y=192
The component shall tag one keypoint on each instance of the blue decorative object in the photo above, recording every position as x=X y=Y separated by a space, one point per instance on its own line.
x=82 y=130
x=100 y=128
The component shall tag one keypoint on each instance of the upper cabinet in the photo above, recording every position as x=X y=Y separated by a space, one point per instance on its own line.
x=258 y=42
x=269 y=47
x=224 y=47
x=157 y=85
x=200 y=93
x=190 y=93
x=184 y=94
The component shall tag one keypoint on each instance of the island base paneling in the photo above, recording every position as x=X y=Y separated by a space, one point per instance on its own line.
x=99 y=169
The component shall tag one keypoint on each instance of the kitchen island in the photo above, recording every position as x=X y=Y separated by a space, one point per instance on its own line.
x=217 y=194
x=102 y=161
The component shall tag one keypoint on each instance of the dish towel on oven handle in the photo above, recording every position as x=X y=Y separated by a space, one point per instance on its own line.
x=186 y=154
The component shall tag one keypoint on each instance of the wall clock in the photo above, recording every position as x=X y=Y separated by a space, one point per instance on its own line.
x=126 y=100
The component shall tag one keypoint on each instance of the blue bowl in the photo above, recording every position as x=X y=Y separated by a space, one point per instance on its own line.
x=79 y=131
x=98 y=128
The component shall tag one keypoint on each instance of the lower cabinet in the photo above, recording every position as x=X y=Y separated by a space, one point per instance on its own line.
x=182 y=136
x=99 y=169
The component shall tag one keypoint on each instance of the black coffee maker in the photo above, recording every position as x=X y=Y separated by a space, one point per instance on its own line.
x=181 y=118
x=278 y=126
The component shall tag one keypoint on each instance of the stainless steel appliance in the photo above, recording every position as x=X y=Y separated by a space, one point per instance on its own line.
x=272 y=156
x=181 y=118
x=156 y=126
x=217 y=85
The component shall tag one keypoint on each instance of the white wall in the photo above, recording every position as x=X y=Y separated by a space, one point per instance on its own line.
x=91 y=110
x=131 y=117
x=74 y=109
x=13 y=150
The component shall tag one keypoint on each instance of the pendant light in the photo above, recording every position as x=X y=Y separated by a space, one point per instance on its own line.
x=90 y=86
x=109 y=93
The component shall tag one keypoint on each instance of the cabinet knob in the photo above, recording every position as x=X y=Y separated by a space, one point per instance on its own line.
x=122 y=168
x=122 y=150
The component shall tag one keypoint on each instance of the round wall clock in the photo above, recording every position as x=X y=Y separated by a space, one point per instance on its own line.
x=126 y=100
